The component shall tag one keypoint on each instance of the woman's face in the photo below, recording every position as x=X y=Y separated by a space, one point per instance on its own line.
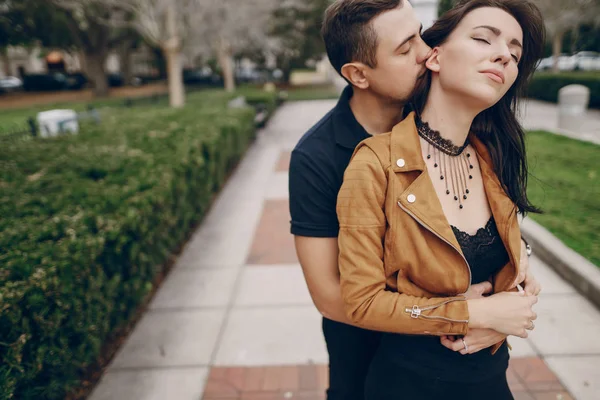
x=479 y=61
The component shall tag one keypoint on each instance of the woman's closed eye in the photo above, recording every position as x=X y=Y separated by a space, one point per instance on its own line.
x=481 y=40
x=514 y=56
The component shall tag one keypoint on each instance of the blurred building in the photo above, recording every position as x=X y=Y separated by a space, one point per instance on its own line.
x=427 y=11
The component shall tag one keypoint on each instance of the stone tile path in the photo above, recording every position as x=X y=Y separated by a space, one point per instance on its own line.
x=234 y=319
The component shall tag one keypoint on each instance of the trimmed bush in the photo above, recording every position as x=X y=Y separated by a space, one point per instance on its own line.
x=545 y=85
x=89 y=220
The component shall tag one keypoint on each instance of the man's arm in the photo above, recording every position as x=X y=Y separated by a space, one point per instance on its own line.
x=319 y=260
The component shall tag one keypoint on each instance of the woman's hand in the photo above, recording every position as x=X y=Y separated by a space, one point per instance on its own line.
x=476 y=340
x=509 y=313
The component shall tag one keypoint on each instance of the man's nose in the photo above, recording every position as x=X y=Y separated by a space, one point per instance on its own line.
x=424 y=53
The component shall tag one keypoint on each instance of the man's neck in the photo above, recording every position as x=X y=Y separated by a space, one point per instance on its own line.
x=374 y=114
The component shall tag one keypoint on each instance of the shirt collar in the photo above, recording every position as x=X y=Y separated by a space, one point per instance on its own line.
x=348 y=132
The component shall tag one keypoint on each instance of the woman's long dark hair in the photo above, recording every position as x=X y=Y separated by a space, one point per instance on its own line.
x=497 y=127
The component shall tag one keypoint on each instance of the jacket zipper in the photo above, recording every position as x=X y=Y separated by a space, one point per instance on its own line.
x=415 y=311
x=450 y=244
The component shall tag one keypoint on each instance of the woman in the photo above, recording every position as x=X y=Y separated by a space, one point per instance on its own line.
x=431 y=208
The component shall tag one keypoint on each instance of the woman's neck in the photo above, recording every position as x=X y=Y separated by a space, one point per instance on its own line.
x=448 y=115
x=375 y=114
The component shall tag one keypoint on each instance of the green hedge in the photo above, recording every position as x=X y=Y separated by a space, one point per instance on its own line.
x=87 y=223
x=545 y=85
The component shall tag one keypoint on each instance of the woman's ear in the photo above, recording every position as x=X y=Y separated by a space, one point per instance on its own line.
x=433 y=62
x=355 y=74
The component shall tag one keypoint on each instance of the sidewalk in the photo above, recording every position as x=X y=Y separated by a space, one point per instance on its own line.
x=542 y=115
x=234 y=319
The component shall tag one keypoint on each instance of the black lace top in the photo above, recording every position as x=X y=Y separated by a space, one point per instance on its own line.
x=485 y=254
x=484 y=251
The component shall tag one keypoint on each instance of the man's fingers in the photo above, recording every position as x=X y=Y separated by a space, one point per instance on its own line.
x=454 y=346
x=482 y=288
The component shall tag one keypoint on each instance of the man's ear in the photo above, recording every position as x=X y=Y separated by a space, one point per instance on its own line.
x=355 y=74
x=433 y=62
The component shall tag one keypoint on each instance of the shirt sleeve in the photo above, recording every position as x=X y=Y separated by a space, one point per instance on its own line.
x=312 y=199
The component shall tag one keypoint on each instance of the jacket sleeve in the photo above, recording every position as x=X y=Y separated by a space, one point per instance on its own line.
x=361 y=212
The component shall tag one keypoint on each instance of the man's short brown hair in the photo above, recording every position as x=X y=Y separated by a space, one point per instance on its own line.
x=348 y=33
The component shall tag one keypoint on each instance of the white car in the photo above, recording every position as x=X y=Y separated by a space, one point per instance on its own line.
x=10 y=84
x=587 y=61
x=565 y=63
x=582 y=61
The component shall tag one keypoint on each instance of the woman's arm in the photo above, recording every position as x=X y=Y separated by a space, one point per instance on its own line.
x=360 y=209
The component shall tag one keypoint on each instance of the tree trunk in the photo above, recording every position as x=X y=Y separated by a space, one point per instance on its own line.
x=125 y=61
x=94 y=63
x=82 y=62
x=175 y=78
x=6 y=61
x=226 y=63
x=557 y=40
x=172 y=50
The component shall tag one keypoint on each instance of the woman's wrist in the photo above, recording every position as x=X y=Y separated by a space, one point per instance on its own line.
x=478 y=318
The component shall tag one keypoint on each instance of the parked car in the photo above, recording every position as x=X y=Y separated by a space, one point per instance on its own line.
x=587 y=61
x=53 y=81
x=250 y=75
x=10 y=84
x=582 y=61
x=200 y=76
x=116 y=79
x=76 y=81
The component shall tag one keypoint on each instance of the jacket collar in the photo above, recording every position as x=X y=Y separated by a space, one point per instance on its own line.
x=405 y=145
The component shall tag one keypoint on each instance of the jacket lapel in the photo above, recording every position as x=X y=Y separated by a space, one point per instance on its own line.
x=419 y=197
x=421 y=201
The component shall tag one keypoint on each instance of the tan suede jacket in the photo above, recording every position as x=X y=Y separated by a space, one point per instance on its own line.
x=402 y=269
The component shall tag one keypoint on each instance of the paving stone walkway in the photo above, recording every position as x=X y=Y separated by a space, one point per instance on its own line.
x=234 y=320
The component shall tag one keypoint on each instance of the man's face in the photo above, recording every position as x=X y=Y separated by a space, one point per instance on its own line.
x=400 y=54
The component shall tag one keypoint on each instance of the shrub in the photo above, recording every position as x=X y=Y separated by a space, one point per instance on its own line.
x=545 y=86
x=89 y=220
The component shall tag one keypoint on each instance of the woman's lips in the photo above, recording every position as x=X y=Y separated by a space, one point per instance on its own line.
x=497 y=76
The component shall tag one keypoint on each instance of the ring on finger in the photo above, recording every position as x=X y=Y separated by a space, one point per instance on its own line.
x=465 y=344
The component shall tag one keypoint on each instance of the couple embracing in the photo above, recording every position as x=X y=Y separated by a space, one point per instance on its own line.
x=404 y=199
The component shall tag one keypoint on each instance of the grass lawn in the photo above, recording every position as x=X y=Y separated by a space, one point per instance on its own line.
x=16 y=119
x=12 y=119
x=565 y=182
x=317 y=92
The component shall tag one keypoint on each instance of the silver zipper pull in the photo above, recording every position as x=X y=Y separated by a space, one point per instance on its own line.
x=415 y=311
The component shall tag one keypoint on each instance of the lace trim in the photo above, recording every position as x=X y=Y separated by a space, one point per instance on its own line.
x=435 y=138
x=477 y=243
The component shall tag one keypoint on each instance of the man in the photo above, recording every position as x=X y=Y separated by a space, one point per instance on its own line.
x=376 y=46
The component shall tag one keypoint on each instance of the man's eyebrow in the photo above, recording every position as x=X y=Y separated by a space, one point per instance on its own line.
x=411 y=37
x=498 y=32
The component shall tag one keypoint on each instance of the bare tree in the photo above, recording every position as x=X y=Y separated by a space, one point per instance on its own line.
x=227 y=26
x=563 y=15
x=94 y=27
x=166 y=23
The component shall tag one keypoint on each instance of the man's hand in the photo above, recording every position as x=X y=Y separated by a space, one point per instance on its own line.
x=523 y=265
x=478 y=290
x=525 y=277
x=532 y=286
x=476 y=340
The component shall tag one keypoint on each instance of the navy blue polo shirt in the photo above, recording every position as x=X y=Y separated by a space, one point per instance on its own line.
x=317 y=170
x=316 y=173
